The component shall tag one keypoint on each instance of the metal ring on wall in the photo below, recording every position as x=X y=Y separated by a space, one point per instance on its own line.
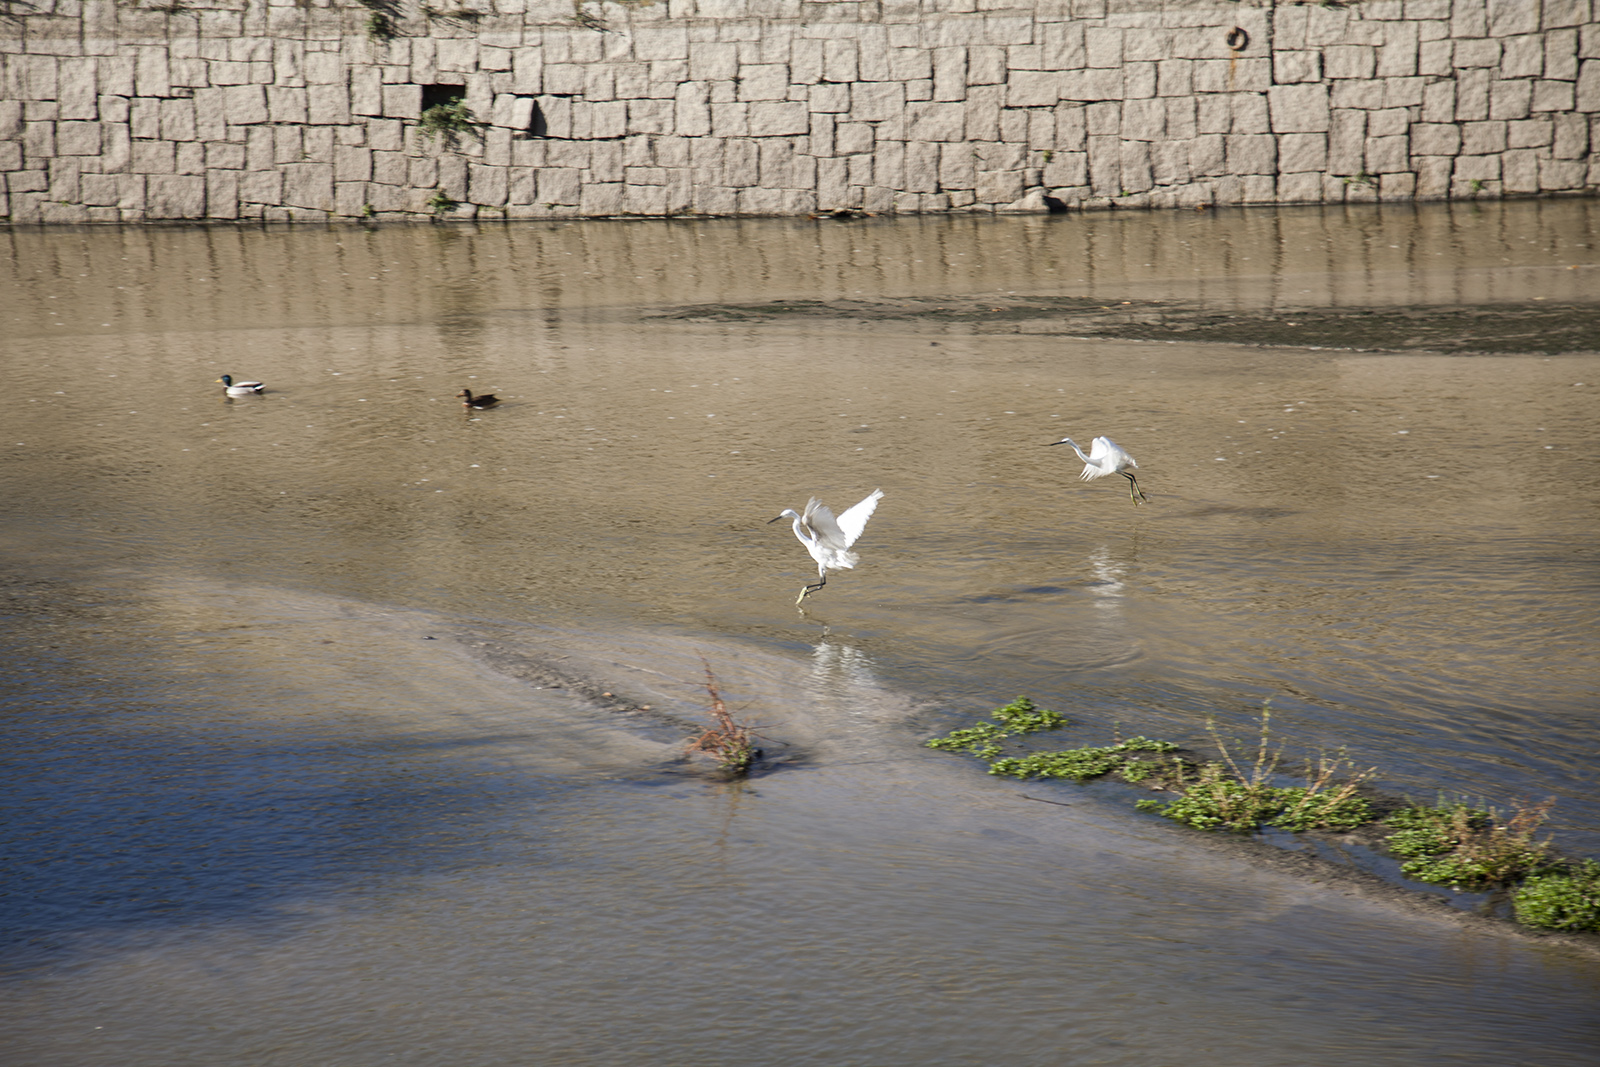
x=1237 y=39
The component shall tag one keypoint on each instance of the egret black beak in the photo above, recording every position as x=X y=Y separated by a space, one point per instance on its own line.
x=774 y=519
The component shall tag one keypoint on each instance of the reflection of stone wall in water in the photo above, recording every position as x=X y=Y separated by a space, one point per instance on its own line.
x=227 y=109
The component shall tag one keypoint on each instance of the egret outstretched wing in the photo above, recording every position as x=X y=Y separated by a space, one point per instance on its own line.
x=853 y=521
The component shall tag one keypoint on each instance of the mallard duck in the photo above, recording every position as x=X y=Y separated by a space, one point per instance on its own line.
x=487 y=400
x=233 y=388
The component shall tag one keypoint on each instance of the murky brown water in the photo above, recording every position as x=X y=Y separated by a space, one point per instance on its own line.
x=284 y=791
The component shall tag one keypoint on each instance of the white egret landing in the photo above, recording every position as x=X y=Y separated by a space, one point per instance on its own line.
x=828 y=539
x=1104 y=458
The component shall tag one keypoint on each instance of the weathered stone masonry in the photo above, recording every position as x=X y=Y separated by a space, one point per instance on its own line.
x=261 y=109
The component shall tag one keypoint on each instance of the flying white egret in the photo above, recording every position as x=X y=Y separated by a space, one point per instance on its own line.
x=1104 y=458
x=829 y=539
x=233 y=388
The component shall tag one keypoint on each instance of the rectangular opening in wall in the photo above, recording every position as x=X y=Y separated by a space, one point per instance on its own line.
x=435 y=95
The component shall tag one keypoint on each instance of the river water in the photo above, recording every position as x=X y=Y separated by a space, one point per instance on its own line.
x=344 y=725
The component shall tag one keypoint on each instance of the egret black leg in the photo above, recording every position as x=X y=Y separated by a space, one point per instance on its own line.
x=822 y=580
x=1134 y=492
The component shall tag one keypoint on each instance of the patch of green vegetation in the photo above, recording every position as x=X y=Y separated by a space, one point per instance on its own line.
x=448 y=121
x=1213 y=799
x=1566 y=899
x=982 y=739
x=441 y=202
x=1241 y=799
x=1082 y=764
x=1465 y=847
x=1453 y=844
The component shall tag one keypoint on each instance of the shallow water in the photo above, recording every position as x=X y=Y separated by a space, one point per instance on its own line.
x=310 y=756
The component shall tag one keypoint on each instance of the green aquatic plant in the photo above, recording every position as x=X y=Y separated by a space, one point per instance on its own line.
x=1241 y=798
x=448 y=121
x=441 y=202
x=1468 y=847
x=1562 y=899
x=1082 y=764
x=983 y=738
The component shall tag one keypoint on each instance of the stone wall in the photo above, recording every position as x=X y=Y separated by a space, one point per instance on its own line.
x=261 y=109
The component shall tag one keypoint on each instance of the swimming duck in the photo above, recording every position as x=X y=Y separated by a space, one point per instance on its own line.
x=486 y=400
x=233 y=388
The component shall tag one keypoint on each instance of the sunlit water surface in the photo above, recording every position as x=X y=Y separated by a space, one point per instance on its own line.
x=307 y=757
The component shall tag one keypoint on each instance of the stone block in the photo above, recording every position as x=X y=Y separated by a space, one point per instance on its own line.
x=222 y=194
x=402 y=101
x=1347 y=142
x=1561 y=54
x=603 y=198
x=1403 y=92
x=286 y=104
x=1092 y=84
x=245 y=104
x=154 y=157
x=763 y=81
x=949 y=74
x=175 y=196
x=1251 y=154
x=100 y=190
x=877 y=101
x=1561 y=175
x=352 y=164
x=1102 y=47
x=986 y=66
x=1519 y=171
x=77 y=93
x=1251 y=113
x=152 y=74
x=1481 y=52
x=661 y=42
x=1435 y=139
x=560 y=185
x=1389 y=122
x=1298 y=108
x=1588 y=88
x=1299 y=152
x=649 y=116
x=936 y=122
x=1433 y=176
x=1571 y=137
x=1510 y=99
x=1299 y=188
x=998 y=186
x=488 y=186
x=1472 y=95
x=839 y=61
x=1434 y=58
x=1175 y=77
x=1522 y=57
x=1062 y=46
x=828 y=98
x=1144 y=120
x=78 y=138
x=1033 y=88
x=1350 y=62
x=1289 y=68
x=1507 y=17
x=1553 y=96
x=366 y=91
x=1105 y=166
x=1397 y=57
x=308 y=185
x=771 y=118
x=191 y=157
x=1388 y=155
